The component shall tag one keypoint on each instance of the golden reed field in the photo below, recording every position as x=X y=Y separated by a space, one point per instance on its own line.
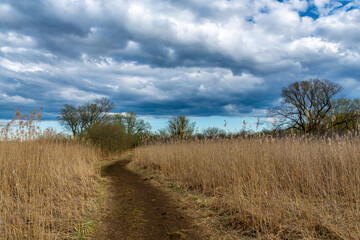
x=284 y=188
x=47 y=186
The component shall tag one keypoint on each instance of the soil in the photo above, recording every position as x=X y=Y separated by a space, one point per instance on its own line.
x=135 y=209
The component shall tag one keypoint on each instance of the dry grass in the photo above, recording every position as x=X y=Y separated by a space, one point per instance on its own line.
x=47 y=186
x=270 y=188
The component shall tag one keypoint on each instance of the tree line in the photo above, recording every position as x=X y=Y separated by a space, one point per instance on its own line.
x=96 y=122
x=307 y=107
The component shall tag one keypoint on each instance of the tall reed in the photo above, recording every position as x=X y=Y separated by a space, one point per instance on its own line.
x=47 y=186
x=289 y=188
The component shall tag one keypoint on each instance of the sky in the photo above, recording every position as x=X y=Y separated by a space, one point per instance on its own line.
x=209 y=60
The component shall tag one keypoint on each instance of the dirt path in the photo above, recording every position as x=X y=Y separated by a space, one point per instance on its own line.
x=137 y=210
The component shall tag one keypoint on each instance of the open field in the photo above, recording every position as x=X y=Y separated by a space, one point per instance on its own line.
x=290 y=188
x=47 y=189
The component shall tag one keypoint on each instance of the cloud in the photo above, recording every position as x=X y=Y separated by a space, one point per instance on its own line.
x=73 y=94
x=15 y=99
x=199 y=58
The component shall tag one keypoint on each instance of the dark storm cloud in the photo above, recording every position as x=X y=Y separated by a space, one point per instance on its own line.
x=198 y=57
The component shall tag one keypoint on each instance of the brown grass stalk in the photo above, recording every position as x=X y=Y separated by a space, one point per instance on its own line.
x=46 y=188
x=291 y=188
x=47 y=185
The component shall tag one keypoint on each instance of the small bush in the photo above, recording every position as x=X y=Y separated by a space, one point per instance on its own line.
x=111 y=137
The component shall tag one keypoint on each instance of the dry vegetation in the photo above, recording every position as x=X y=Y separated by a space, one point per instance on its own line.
x=47 y=185
x=288 y=188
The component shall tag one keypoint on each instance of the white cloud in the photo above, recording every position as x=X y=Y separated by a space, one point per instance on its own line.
x=13 y=39
x=231 y=109
x=19 y=67
x=132 y=47
x=16 y=99
x=343 y=27
x=72 y=94
x=321 y=3
x=313 y=45
x=176 y=52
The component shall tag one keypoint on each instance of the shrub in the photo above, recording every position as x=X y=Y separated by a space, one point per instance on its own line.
x=111 y=137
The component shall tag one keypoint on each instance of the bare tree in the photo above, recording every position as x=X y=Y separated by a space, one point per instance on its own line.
x=346 y=115
x=79 y=119
x=136 y=128
x=132 y=124
x=306 y=105
x=70 y=119
x=180 y=126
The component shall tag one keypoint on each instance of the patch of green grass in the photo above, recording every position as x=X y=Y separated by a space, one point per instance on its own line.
x=84 y=229
x=130 y=155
